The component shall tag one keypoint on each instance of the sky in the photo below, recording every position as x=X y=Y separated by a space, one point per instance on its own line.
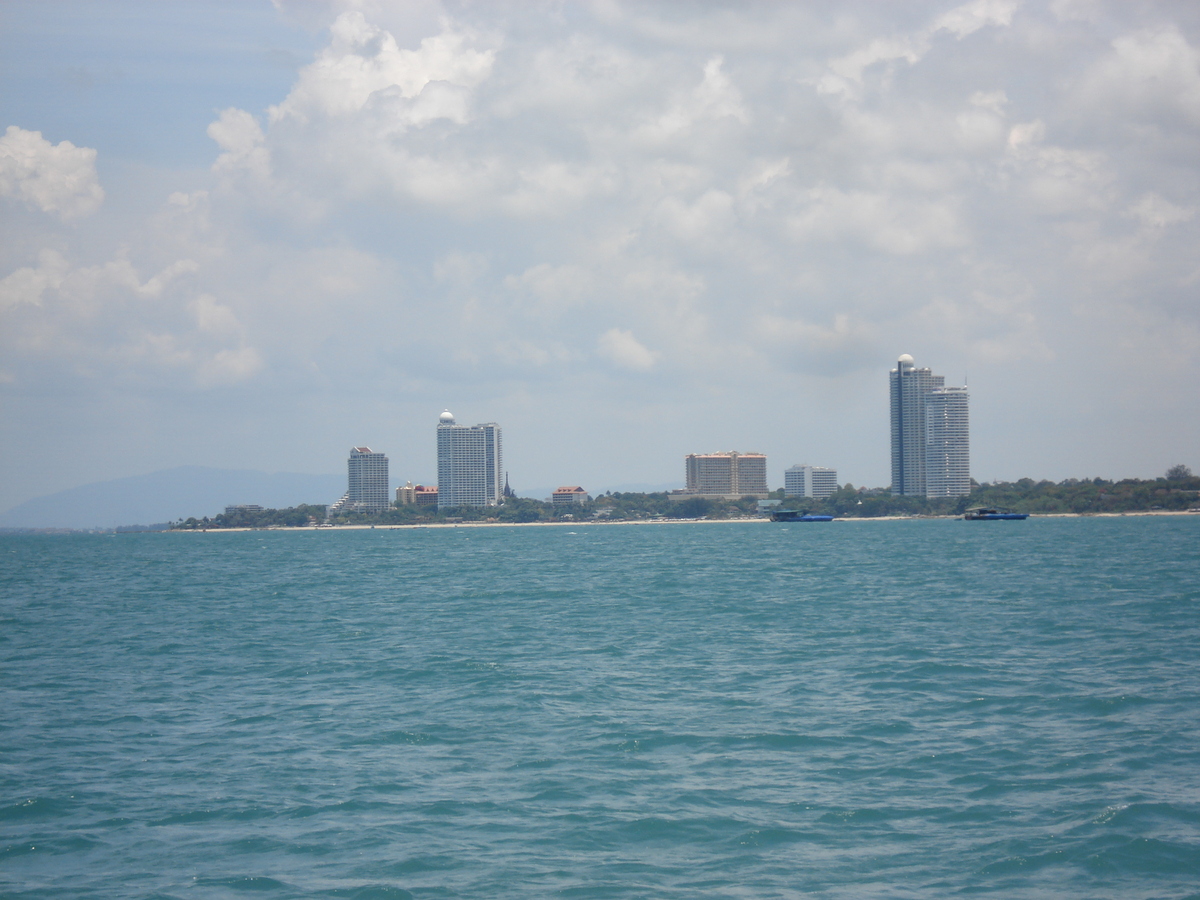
x=254 y=235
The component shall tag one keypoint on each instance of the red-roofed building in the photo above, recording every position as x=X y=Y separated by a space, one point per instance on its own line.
x=569 y=495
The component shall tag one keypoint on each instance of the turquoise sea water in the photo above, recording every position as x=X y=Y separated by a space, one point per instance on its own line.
x=856 y=709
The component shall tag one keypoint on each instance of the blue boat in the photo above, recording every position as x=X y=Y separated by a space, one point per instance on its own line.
x=795 y=515
x=991 y=514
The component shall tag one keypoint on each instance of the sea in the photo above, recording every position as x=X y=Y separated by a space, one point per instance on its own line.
x=855 y=709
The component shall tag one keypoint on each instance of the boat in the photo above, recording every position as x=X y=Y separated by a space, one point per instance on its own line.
x=796 y=515
x=991 y=514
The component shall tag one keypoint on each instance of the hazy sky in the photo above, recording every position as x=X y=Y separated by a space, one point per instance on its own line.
x=253 y=236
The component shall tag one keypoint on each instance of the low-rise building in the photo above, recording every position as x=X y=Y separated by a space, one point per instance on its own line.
x=569 y=495
x=817 y=482
x=416 y=495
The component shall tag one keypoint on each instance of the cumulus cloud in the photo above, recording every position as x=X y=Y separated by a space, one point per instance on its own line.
x=242 y=144
x=1149 y=73
x=55 y=178
x=363 y=62
x=737 y=207
x=104 y=320
x=846 y=73
x=27 y=284
x=622 y=349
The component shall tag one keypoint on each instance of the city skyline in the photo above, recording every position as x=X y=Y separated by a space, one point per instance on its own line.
x=626 y=231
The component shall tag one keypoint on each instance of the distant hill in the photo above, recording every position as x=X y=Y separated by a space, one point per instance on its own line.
x=169 y=495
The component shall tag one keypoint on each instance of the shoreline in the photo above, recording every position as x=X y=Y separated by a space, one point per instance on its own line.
x=590 y=522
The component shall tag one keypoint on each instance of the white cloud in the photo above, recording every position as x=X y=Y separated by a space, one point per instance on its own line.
x=55 y=178
x=1149 y=73
x=887 y=222
x=1058 y=179
x=104 y=321
x=363 y=61
x=750 y=210
x=846 y=73
x=1156 y=212
x=242 y=143
x=622 y=349
x=27 y=285
x=227 y=367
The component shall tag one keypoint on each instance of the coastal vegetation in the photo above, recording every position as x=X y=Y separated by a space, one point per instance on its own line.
x=1177 y=490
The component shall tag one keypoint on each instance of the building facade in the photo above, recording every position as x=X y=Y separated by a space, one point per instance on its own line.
x=947 y=443
x=729 y=474
x=568 y=495
x=469 y=464
x=930 y=435
x=367 y=490
x=817 y=482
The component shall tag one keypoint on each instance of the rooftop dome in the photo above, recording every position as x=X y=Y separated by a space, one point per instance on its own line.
x=446 y=418
x=906 y=359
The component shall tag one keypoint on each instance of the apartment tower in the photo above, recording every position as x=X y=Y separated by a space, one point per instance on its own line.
x=367 y=490
x=930 y=434
x=469 y=466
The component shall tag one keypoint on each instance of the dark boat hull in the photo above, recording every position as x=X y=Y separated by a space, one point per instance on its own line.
x=992 y=515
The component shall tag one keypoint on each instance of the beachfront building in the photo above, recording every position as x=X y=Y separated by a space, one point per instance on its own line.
x=469 y=466
x=407 y=495
x=568 y=496
x=367 y=488
x=947 y=443
x=243 y=508
x=416 y=495
x=728 y=475
x=930 y=438
x=817 y=482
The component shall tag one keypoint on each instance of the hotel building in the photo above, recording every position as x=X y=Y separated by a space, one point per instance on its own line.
x=930 y=434
x=817 y=482
x=729 y=475
x=367 y=490
x=569 y=495
x=469 y=466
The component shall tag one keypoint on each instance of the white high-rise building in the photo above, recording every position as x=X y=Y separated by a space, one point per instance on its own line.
x=930 y=434
x=947 y=443
x=368 y=481
x=469 y=464
x=817 y=482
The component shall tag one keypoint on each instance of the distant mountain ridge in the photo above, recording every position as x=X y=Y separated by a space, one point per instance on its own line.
x=170 y=494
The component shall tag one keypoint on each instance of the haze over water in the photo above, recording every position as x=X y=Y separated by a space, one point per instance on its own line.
x=862 y=709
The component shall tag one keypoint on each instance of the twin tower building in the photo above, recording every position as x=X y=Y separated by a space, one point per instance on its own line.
x=931 y=446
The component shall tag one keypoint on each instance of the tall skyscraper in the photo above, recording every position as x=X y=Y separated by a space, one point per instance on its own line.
x=947 y=443
x=727 y=474
x=367 y=490
x=930 y=434
x=469 y=465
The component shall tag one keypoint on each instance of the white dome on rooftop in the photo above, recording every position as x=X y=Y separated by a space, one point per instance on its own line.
x=906 y=359
x=446 y=418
